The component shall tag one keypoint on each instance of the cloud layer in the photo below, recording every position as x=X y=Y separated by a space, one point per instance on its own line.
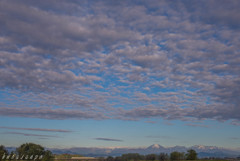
x=107 y=139
x=34 y=135
x=36 y=129
x=120 y=60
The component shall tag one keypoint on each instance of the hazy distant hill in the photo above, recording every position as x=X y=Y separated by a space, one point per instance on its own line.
x=203 y=151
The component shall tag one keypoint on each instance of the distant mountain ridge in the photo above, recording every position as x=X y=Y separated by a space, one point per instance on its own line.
x=203 y=151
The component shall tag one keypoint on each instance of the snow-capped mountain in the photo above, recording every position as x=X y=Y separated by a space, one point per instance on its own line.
x=203 y=151
x=155 y=146
x=178 y=148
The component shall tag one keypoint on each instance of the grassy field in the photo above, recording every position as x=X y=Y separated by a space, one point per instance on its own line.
x=200 y=160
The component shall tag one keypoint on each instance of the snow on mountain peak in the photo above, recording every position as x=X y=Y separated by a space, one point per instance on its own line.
x=155 y=146
x=202 y=147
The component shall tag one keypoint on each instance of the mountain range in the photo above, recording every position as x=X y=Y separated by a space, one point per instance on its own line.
x=203 y=151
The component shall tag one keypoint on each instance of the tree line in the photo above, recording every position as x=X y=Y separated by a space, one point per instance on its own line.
x=27 y=152
x=174 y=156
x=31 y=151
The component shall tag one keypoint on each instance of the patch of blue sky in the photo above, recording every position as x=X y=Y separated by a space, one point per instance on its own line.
x=123 y=87
x=162 y=45
x=11 y=98
x=157 y=89
x=132 y=132
x=20 y=122
x=4 y=95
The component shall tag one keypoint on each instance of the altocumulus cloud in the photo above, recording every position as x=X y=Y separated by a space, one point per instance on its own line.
x=120 y=60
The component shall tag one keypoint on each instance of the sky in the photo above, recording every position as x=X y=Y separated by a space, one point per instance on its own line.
x=120 y=73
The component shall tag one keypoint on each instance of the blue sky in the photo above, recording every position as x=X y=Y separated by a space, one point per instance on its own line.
x=120 y=73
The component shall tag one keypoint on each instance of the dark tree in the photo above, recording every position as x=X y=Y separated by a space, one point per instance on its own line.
x=118 y=159
x=48 y=156
x=191 y=155
x=110 y=158
x=151 y=157
x=31 y=149
x=132 y=156
x=3 y=152
x=176 y=156
x=163 y=157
